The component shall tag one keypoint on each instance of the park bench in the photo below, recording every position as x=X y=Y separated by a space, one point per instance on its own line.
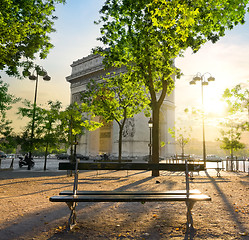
x=112 y=160
x=217 y=168
x=181 y=159
x=71 y=198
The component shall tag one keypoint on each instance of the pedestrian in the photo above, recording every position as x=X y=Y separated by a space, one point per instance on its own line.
x=27 y=159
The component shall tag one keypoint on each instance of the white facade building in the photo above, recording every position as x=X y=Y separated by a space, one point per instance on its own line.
x=136 y=133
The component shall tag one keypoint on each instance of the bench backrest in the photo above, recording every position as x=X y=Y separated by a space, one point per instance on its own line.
x=131 y=166
x=186 y=167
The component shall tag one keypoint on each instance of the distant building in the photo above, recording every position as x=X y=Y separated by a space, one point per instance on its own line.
x=136 y=132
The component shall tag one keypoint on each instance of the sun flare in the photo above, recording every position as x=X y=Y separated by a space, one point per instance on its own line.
x=216 y=107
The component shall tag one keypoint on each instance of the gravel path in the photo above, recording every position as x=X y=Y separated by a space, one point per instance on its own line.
x=27 y=213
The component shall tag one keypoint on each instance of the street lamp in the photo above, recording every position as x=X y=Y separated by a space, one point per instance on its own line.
x=204 y=82
x=39 y=72
x=150 y=123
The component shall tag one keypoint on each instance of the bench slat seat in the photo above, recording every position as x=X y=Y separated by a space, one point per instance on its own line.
x=173 y=192
x=129 y=198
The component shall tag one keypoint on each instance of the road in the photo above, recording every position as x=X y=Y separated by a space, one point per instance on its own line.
x=52 y=164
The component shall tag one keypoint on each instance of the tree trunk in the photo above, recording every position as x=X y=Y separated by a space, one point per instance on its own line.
x=71 y=139
x=120 y=140
x=74 y=150
x=46 y=154
x=120 y=146
x=182 y=153
x=47 y=145
x=155 y=138
x=70 y=172
x=232 y=159
x=155 y=106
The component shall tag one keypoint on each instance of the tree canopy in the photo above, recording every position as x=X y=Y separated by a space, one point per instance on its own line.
x=24 y=32
x=6 y=103
x=231 y=136
x=6 y=99
x=237 y=99
x=147 y=35
x=116 y=99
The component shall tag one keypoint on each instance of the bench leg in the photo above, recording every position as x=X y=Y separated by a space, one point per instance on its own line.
x=190 y=224
x=72 y=217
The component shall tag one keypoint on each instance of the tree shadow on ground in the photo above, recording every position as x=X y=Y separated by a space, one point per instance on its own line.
x=233 y=216
x=46 y=219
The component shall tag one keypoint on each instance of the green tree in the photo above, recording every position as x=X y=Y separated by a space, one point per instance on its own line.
x=182 y=137
x=231 y=139
x=147 y=35
x=7 y=142
x=182 y=132
x=24 y=29
x=48 y=133
x=73 y=124
x=51 y=128
x=6 y=99
x=237 y=99
x=116 y=99
x=28 y=144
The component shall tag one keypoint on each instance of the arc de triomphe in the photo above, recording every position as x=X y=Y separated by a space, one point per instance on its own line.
x=136 y=135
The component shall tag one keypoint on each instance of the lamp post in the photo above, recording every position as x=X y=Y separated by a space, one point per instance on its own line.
x=204 y=82
x=39 y=72
x=150 y=123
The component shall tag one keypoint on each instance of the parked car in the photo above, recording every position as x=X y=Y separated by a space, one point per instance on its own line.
x=63 y=156
x=82 y=157
x=2 y=155
x=213 y=157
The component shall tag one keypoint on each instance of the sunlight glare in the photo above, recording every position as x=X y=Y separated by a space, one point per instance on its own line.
x=215 y=107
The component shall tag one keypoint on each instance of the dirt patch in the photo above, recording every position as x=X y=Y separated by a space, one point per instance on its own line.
x=27 y=213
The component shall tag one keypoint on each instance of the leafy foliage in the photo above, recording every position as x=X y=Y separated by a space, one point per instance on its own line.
x=231 y=138
x=52 y=135
x=196 y=22
x=24 y=29
x=47 y=130
x=73 y=124
x=7 y=142
x=72 y=121
x=25 y=139
x=116 y=99
x=237 y=99
x=146 y=36
x=181 y=135
x=6 y=99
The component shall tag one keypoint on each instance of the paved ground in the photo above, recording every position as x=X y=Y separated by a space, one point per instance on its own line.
x=27 y=213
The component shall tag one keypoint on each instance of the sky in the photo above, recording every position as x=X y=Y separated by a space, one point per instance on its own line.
x=227 y=61
x=76 y=34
